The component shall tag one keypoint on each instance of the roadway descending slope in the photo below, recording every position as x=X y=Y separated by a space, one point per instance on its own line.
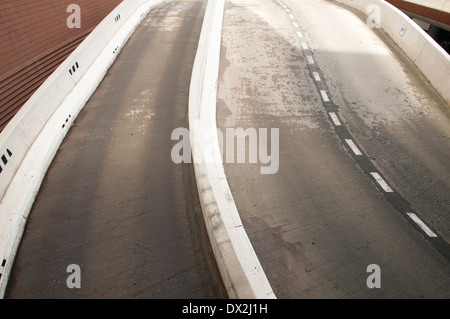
x=321 y=220
x=113 y=202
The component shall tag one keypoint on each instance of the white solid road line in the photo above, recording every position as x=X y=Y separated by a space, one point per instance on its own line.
x=422 y=225
x=353 y=146
x=382 y=182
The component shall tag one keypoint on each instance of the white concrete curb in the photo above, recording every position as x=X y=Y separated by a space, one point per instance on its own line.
x=35 y=134
x=239 y=266
x=430 y=58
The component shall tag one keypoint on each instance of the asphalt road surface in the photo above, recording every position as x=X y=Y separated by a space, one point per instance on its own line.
x=113 y=202
x=319 y=225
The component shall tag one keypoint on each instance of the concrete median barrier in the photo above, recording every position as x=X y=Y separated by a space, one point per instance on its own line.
x=239 y=266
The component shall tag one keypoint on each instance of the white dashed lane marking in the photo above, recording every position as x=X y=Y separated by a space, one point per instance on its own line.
x=324 y=96
x=422 y=225
x=353 y=146
x=335 y=119
x=316 y=76
x=382 y=182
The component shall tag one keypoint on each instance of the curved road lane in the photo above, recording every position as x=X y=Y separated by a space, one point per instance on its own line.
x=321 y=221
x=113 y=202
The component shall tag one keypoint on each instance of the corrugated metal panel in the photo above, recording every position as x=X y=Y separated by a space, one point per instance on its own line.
x=34 y=40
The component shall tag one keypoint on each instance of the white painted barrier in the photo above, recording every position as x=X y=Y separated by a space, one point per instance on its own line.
x=430 y=58
x=30 y=141
x=239 y=266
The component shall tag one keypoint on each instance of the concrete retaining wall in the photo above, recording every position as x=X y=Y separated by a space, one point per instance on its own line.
x=431 y=59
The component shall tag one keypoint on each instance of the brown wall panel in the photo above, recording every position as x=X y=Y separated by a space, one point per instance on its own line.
x=35 y=40
x=429 y=13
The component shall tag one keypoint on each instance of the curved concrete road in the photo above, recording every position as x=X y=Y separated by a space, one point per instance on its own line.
x=321 y=221
x=113 y=202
